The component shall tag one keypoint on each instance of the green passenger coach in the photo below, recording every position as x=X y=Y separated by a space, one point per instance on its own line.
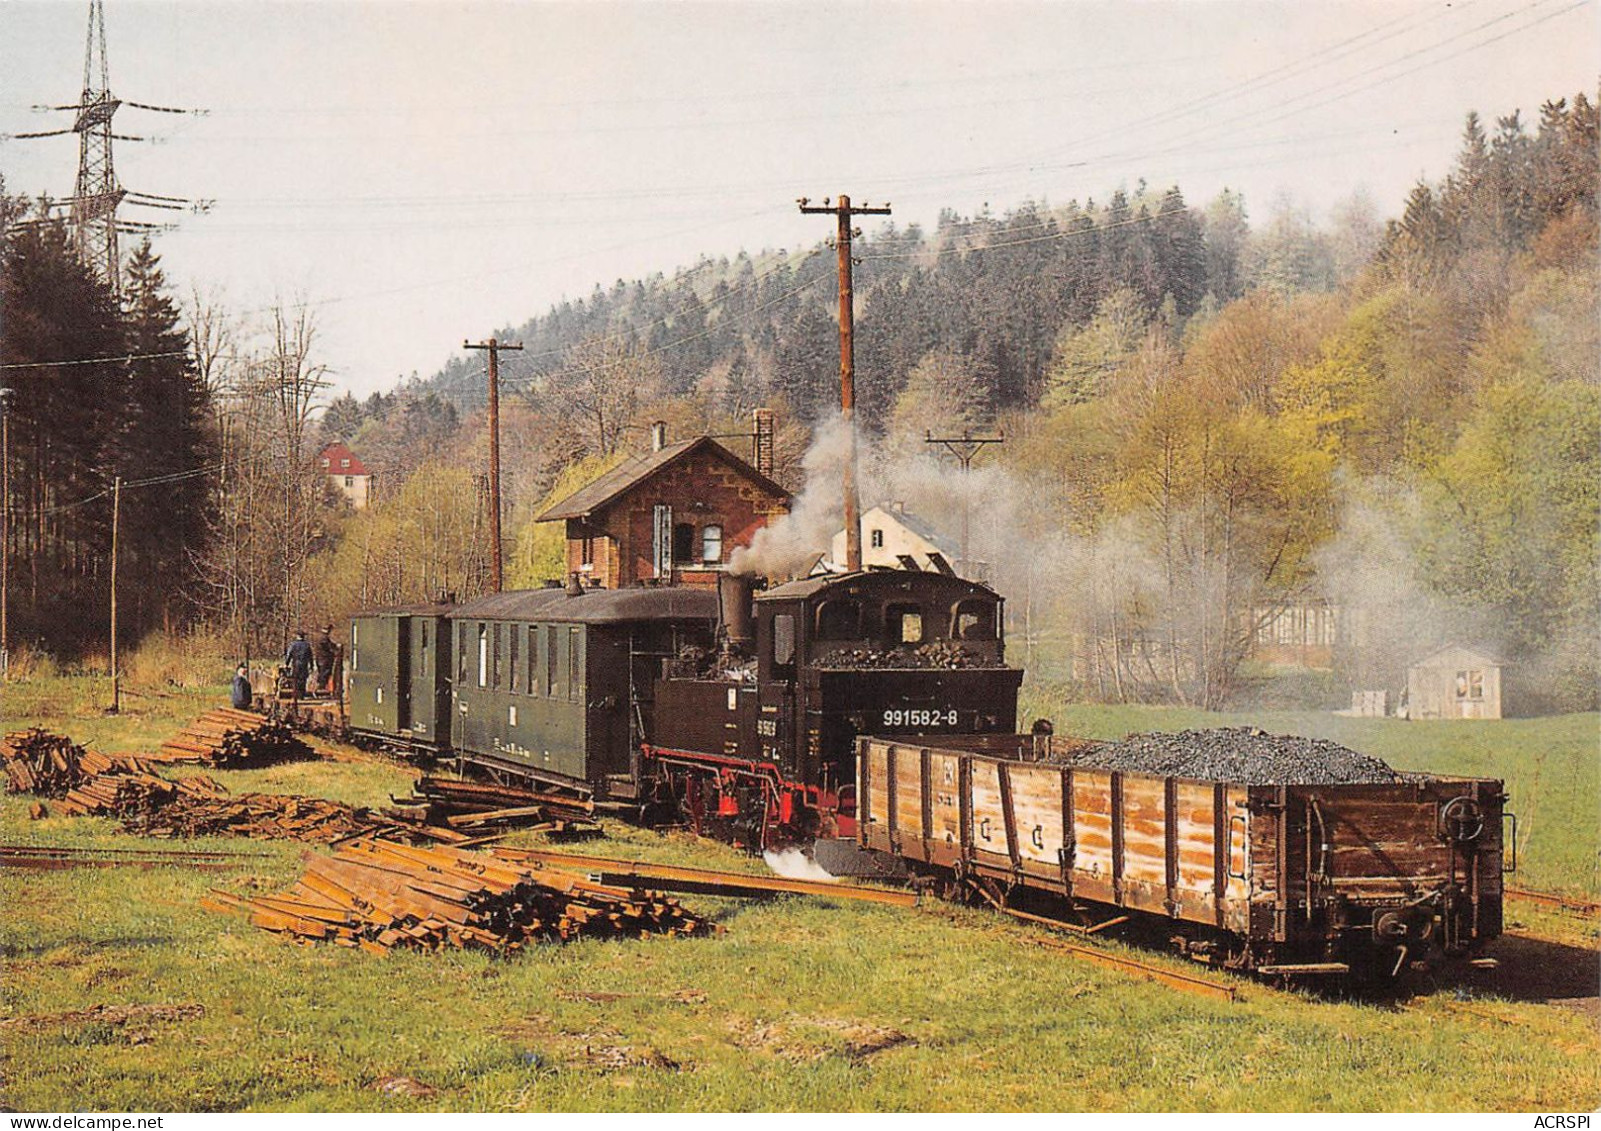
x=399 y=667
x=557 y=683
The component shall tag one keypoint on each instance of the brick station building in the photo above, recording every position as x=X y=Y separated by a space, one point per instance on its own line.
x=673 y=516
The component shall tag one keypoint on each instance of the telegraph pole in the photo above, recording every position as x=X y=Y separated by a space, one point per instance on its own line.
x=116 y=511
x=964 y=448
x=494 y=347
x=843 y=211
x=5 y=530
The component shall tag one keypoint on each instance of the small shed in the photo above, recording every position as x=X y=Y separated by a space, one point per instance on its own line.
x=1454 y=683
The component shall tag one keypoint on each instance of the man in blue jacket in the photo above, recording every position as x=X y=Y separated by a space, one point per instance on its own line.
x=298 y=657
x=242 y=695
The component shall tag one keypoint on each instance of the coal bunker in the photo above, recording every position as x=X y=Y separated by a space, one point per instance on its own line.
x=1236 y=754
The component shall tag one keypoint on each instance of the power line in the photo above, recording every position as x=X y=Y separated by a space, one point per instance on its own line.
x=93 y=360
x=154 y=480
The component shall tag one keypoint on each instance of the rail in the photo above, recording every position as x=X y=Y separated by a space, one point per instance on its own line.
x=1554 y=899
x=34 y=857
x=669 y=877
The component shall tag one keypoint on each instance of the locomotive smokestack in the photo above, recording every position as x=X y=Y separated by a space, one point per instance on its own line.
x=575 y=585
x=733 y=609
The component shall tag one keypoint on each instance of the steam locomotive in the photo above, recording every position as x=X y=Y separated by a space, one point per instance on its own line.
x=873 y=714
x=735 y=708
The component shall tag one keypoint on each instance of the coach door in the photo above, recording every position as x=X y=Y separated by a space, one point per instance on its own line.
x=403 y=674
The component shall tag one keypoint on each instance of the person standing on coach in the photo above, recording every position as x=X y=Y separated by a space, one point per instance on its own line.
x=298 y=657
x=323 y=653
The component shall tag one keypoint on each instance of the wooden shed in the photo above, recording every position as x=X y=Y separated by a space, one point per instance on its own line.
x=1454 y=683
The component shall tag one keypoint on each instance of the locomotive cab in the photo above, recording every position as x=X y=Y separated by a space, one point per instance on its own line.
x=767 y=743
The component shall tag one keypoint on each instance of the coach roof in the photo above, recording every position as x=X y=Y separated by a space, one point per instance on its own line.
x=593 y=606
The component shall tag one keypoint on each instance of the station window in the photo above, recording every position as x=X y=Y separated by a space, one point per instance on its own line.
x=683 y=543
x=711 y=544
x=975 y=620
x=904 y=623
x=483 y=656
x=839 y=620
x=1470 y=685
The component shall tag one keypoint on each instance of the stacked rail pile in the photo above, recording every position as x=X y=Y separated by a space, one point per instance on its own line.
x=232 y=739
x=377 y=895
x=266 y=816
x=484 y=806
x=49 y=765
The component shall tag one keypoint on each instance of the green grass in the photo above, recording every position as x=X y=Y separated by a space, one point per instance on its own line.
x=781 y=1011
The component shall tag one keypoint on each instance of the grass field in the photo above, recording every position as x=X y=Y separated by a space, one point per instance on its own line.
x=796 y=1005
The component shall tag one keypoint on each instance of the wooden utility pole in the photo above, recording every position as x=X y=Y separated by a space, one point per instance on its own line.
x=116 y=512
x=494 y=347
x=5 y=530
x=964 y=448
x=843 y=211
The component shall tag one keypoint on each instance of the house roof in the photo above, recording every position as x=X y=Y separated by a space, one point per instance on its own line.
x=633 y=471
x=1457 y=651
x=916 y=525
x=336 y=453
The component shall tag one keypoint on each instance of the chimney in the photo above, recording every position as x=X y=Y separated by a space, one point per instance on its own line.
x=575 y=587
x=762 y=447
x=658 y=436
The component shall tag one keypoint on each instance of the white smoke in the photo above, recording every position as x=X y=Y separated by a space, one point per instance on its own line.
x=791 y=545
x=793 y=864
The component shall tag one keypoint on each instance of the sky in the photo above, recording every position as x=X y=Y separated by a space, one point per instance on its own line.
x=423 y=173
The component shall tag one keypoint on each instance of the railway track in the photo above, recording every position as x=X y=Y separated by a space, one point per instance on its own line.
x=1568 y=903
x=31 y=857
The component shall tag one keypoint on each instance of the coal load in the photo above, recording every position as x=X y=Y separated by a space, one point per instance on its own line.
x=935 y=654
x=1236 y=754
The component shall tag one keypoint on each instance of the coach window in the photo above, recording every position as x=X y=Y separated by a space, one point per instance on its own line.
x=551 y=660
x=711 y=543
x=904 y=623
x=483 y=655
x=533 y=659
x=783 y=641
x=461 y=654
x=514 y=635
x=975 y=620
x=499 y=672
x=423 y=650
x=575 y=667
x=839 y=620
x=355 y=642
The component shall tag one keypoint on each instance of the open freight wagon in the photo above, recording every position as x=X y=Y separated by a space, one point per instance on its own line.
x=1281 y=879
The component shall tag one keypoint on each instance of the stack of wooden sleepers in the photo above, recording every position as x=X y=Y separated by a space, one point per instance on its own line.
x=132 y=794
x=48 y=765
x=232 y=739
x=478 y=807
x=377 y=894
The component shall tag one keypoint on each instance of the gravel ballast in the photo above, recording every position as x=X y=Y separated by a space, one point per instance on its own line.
x=1237 y=754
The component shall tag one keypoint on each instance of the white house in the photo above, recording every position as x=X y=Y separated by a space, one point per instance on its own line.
x=891 y=537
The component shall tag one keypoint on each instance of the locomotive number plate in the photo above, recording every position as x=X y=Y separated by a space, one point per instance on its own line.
x=920 y=717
